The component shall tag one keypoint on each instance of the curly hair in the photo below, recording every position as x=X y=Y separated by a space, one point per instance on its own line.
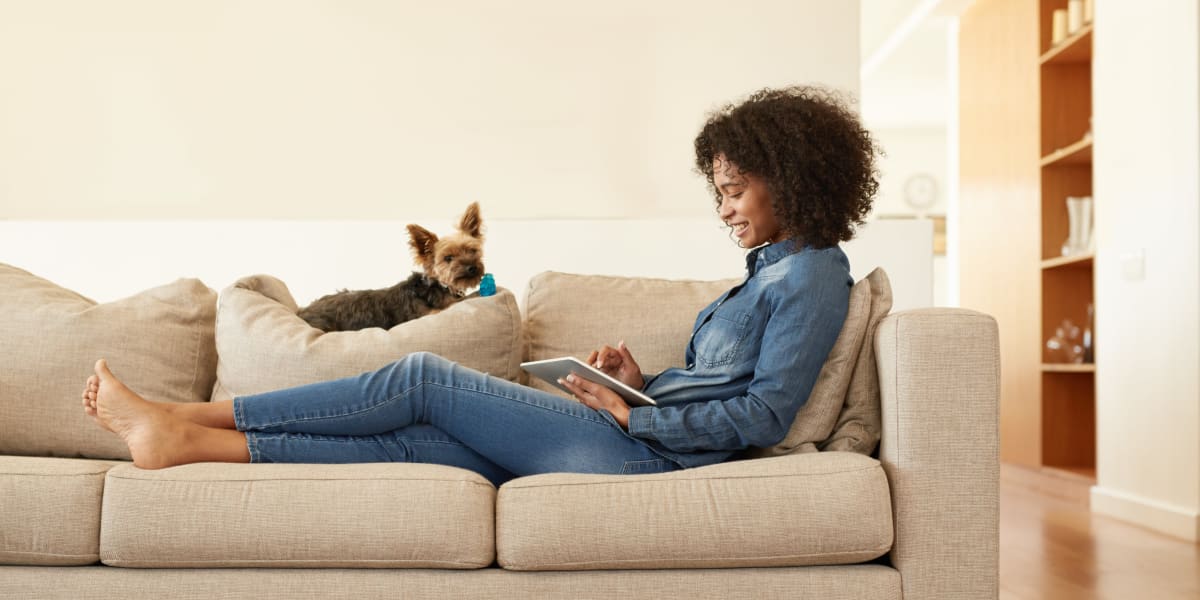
x=817 y=160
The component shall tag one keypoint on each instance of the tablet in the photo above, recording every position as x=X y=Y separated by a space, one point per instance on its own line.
x=553 y=369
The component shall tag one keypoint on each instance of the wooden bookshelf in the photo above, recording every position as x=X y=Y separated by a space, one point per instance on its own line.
x=1078 y=153
x=1077 y=48
x=1073 y=261
x=1068 y=368
x=1085 y=475
x=1068 y=396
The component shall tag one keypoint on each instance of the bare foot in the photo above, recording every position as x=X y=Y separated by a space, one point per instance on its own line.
x=149 y=431
x=217 y=414
x=89 y=398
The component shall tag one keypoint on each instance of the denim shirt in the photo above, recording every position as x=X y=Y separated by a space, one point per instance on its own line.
x=752 y=360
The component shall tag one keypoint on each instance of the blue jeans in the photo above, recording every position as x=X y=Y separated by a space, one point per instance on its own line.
x=424 y=408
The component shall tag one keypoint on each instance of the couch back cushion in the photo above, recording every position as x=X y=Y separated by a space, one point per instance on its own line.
x=263 y=345
x=860 y=421
x=159 y=342
x=571 y=315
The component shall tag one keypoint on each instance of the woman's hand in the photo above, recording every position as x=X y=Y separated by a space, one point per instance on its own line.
x=596 y=396
x=618 y=363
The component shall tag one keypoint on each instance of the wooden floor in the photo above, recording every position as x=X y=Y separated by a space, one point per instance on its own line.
x=1053 y=547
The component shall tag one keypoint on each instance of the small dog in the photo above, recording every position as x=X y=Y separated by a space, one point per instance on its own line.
x=451 y=265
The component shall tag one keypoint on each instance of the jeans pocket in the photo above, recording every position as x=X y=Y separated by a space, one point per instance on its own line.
x=653 y=465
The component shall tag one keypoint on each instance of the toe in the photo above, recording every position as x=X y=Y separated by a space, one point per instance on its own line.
x=102 y=371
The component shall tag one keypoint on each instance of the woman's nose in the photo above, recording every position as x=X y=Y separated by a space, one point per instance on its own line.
x=724 y=210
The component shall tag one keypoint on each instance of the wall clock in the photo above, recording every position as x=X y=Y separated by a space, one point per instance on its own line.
x=920 y=192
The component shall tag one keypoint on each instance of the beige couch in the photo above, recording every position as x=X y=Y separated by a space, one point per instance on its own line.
x=915 y=517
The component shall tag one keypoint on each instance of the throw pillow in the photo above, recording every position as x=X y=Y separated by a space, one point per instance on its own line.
x=159 y=342
x=262 y=345
x=859 y=424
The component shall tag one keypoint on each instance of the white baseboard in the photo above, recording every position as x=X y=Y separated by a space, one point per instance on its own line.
x=1166 y=518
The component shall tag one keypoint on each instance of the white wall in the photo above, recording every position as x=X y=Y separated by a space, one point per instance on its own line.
x=1146 y=90
x=911 y=151
x=107 y=260
x=364 y=109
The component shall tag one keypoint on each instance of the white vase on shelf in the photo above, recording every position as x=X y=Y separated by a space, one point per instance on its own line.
x=1085 y=224
x=1079 y=225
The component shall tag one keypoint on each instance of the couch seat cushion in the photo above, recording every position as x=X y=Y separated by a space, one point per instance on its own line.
x=811 y=509
x=823 y=508
x=50 y=511
x=276 y=515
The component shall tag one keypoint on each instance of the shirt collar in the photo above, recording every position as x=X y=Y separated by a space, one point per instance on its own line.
x=765 y=256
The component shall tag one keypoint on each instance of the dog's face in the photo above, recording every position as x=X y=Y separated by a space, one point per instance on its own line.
x=455 y=260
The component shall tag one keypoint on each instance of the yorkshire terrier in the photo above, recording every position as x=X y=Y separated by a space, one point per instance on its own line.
x=450 y=266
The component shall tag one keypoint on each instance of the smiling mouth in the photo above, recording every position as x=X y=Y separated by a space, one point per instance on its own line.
x=739 y=228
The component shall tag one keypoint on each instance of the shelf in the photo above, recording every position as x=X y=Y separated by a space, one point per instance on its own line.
x=1077 y=261
x=1077 y=48
x=1065 y=415
x=1078 y=153
x=1068 y=367
x=1080 y=474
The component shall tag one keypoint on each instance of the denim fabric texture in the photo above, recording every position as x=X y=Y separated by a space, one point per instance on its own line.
x=424 y=408
x=753 y=357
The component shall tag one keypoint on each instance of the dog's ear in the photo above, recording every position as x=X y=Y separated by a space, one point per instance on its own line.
x=472 y=223
x=422 y=242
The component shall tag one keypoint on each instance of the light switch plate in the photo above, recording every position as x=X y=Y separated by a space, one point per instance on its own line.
x=1133 y=266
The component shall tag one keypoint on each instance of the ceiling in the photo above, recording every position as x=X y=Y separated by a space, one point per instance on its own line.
x=905 y=52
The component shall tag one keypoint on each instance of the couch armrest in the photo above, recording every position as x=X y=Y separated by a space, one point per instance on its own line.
x=939 y=376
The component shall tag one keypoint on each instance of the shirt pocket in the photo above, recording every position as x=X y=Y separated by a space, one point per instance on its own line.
x=718 y=341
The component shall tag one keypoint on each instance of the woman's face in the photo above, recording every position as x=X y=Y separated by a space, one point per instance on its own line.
x=745 y=205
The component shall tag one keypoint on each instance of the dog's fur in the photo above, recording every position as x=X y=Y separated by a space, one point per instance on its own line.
x=450 y=266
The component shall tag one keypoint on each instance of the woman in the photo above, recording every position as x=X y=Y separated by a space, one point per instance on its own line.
x=792 y=172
